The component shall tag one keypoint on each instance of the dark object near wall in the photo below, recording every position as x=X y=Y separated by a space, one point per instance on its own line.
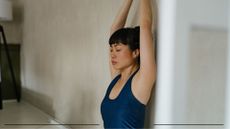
x=6 y=48
x=8 y=91
x=0 y=95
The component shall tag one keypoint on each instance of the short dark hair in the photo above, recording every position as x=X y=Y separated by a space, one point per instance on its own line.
x=126 y=36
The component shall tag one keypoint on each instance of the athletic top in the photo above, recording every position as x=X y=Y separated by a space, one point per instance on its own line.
x=125 y=111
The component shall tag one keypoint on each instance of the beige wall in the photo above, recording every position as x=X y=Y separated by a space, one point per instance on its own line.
x=64 y=59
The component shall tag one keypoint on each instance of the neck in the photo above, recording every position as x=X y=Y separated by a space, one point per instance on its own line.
x=127 y=72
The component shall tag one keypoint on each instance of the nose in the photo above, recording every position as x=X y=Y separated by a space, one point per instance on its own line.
x=113 y=55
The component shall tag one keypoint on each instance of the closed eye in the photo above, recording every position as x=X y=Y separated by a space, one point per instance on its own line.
x=117 y=50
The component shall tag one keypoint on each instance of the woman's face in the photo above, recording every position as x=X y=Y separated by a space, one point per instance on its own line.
x=121 y=56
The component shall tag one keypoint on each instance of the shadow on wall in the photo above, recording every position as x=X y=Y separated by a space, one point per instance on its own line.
x=18 y=12
x=149 y=116
x=39 y=100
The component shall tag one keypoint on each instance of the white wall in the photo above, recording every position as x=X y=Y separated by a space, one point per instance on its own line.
x=201 y=38
x=200 y=65
x=227 y=107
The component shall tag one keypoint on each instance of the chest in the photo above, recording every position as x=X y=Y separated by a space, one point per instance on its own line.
x=117 y=88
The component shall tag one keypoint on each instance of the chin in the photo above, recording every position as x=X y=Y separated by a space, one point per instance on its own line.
x=117 y=67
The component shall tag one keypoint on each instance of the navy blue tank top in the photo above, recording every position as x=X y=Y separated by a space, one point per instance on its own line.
x=125 y=111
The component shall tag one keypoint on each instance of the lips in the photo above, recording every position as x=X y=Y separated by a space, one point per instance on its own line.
x=114 y=62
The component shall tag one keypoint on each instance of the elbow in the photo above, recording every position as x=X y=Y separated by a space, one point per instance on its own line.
x=114 y=28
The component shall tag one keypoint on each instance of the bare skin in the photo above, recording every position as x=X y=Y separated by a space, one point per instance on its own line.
x=123 y=60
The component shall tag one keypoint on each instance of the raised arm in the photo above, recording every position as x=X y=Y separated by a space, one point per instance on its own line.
x=147 y=50
x=120 y=19
x=119 y=22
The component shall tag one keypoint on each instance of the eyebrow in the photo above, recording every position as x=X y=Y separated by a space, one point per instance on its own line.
x=117 y=45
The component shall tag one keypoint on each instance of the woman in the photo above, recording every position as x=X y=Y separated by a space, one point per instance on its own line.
x=133 y=67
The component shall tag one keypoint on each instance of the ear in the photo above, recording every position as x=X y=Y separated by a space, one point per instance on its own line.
x=136 y=53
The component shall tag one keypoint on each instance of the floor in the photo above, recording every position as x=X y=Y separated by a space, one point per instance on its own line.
x=25 y=116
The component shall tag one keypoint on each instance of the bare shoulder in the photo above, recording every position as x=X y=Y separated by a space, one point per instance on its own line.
x=142 y=87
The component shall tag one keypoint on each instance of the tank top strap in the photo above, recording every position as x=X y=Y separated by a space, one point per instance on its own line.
x=114 y=81
x=134 y=73
x=129 y=81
